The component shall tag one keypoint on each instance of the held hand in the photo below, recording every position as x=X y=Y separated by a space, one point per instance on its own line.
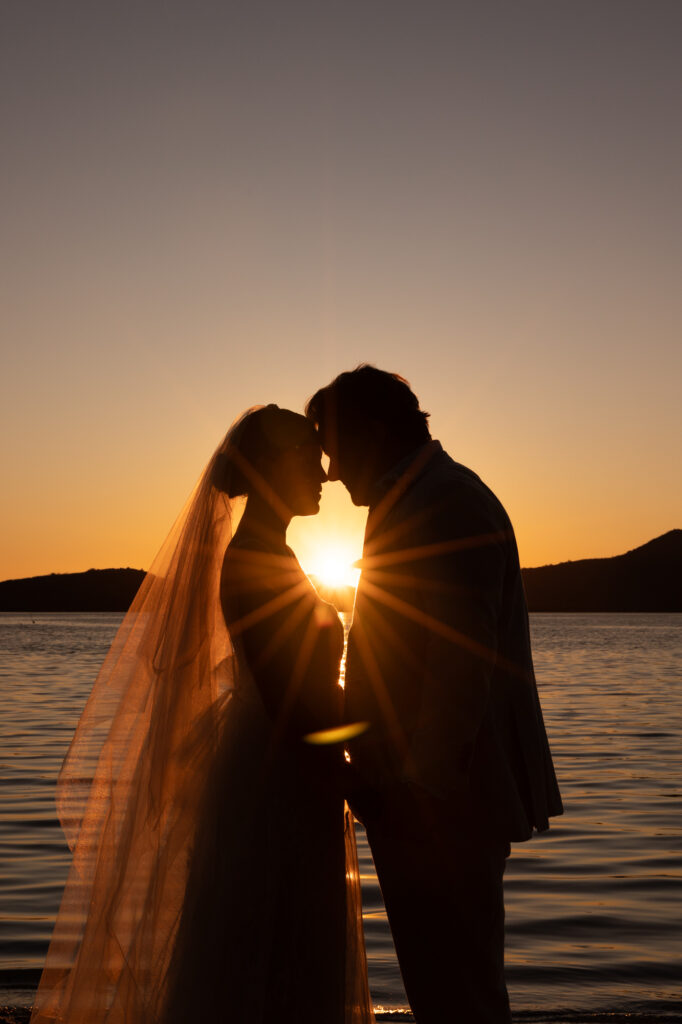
x=365 y=801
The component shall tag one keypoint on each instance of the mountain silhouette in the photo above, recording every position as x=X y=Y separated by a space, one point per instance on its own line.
x=647 y=579
x=97 y=590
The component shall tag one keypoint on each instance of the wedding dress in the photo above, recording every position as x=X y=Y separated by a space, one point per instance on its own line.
x=214 y=872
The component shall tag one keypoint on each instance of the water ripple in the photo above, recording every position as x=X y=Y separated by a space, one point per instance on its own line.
x=593 y=907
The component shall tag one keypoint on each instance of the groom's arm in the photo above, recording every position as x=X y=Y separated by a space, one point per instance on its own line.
x=457 y=596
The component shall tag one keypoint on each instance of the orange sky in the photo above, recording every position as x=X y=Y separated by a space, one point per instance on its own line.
x=207 y=208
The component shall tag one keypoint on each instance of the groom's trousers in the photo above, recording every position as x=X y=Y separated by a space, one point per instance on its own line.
x=443 y=894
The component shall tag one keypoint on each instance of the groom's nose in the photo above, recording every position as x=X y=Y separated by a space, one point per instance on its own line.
x=333 y=469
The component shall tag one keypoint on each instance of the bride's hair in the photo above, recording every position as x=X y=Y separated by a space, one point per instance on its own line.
x=254 y=442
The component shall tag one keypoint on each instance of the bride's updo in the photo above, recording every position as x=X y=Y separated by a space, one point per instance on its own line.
x=254 y=443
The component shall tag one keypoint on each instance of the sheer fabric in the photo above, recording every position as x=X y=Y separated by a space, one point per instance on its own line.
x=139 y=782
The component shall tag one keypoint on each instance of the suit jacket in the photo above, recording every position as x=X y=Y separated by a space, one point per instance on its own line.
x=439 y=658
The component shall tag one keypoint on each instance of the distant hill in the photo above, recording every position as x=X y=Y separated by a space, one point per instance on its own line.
x=97 y=590
x=647 y=579
x=107 y=590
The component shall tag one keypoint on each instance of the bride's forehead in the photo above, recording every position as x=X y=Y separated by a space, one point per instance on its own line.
x=309 y=450
x=302 y=455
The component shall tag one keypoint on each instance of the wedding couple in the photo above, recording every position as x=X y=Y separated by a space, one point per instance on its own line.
x=214 y=875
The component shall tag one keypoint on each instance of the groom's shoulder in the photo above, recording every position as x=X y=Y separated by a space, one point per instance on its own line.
x=445 y=468
x=450 y=498
x=446 y=478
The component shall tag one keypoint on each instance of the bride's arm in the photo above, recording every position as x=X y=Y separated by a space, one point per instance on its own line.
x=292 y=641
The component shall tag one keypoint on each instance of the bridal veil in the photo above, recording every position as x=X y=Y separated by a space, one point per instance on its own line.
x=129 y=788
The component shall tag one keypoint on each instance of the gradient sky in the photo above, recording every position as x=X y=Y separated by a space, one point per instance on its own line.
x=208 y=205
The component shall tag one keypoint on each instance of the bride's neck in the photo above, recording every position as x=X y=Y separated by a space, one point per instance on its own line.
x=261 y=518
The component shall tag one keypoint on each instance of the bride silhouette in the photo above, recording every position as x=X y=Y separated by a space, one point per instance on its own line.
x=214 y=871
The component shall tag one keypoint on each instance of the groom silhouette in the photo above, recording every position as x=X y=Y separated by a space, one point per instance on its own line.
x=455 y=763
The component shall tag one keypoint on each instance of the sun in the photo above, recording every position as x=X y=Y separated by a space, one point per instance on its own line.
x=333 y=566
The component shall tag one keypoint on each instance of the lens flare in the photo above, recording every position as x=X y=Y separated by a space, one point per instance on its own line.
x=338 y=735
x=333 y=566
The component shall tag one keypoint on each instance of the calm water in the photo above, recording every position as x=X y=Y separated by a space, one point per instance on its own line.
x=593 y=907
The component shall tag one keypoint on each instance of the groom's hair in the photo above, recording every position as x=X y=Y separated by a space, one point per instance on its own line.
x=358 y=399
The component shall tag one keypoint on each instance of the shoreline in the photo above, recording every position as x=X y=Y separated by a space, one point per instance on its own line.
x=10 y=1014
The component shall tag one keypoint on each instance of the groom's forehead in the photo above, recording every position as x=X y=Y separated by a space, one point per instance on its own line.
x=345 y=449
x=330 y=439
x=341 y=432
x=327 y=436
